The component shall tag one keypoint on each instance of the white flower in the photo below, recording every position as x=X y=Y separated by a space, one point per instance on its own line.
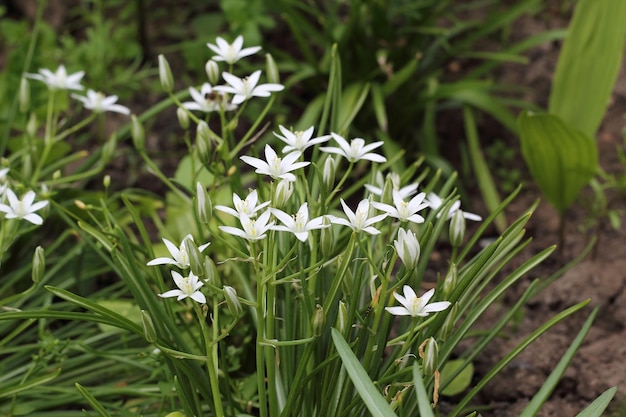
x=408 y=248
x=378 y=188
x=99 y=103
x=59 y=80
x=404 y=211
x=299 y=141
x=245 y=88
x=248 y=206
x=207 y=100
x=299 y=225
x=252 y=229
x=414 y=306
x=24 y=208
x=356 y=150
x=231 y=53
x=275 y=167
x=435 y=202
x=360 y=220
x=187 y=287
x=180 y=257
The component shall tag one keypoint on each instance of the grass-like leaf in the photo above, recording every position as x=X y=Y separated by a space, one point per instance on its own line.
x=373 y=399
x=423 y=400
x=93 y=402
x=596 y=408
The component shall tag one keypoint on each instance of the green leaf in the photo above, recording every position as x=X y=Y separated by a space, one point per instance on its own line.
x=589 y=64
x=352 y=100
x=124 y=308
x=561 y=160
x=461 y=382
x=546 y=389
x=95 y=404
x=597 y=407
x=371 y=396
x=423 y=400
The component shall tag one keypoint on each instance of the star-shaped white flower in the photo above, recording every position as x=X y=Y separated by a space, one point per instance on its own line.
x=24 y=208
x=378 y=188
x=299 y=225
x=415 y=306
x=299 y=141
x=99 y=103
x=59 y=80
x=252 y=229
x=231 y=53
x=180 y=257
x=207 y=100
x=249 y=206
x=435 y=202
x=188 y=286
x=359 y=221
x=356 y=150
x=245 y=88
x=404 y=211
x=275 y=167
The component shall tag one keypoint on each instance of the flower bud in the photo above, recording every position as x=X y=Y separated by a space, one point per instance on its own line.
x=204 y=207
x=407 y=248
x=271 y=70
x=165 y=75
x=106 y=181
x=148 y=327
x=195 y=257
x=212 y=276
x=24 y=95
x=429 y=355
x=56 y=174
x=234 y=305
x=283 y=193
x=457 y=229
x=447 y=327
x=449 y=282
x=318 y=320
x=212 y=71
x=327 y=238
x=39 y=265
x=108 y=150
x=137 y=133
x=32 y=125
x=328 y=175
x=175 y=414
x=387 y=196
x=203 y=142
x=183 y=118
x=342 y=317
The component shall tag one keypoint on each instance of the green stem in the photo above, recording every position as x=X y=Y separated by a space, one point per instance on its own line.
x=211 y=362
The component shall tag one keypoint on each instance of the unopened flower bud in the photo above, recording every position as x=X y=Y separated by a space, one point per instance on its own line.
x=203 y=142
x=137 y=133
x=457 y=229
x=328 y=174
x=56 y=174
x=342 y=317
x=183 y=118
x=32 y=125
x=387 y=196
x=204 y=207
x=175 y=414
x=80 y=204
x=195 y=257
x=284 y=190
x=271 y=70
x=39 y=265
x=106 y=181
x=234 y=305
x=24 y=95
x=408 y=248
x=318 y=320
x=327 y=239
x=149 y=331
x=212 y=276
x=165 y=75
x=449 y=282
x=212 y=71
x=108 y=150
x=429 y=355
x=447 y=327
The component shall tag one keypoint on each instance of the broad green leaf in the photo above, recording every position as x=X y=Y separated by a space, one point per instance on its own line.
x=371 y=396
x=597 y=407
x=561 y=160
x=461 y=381
x=589 y=64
